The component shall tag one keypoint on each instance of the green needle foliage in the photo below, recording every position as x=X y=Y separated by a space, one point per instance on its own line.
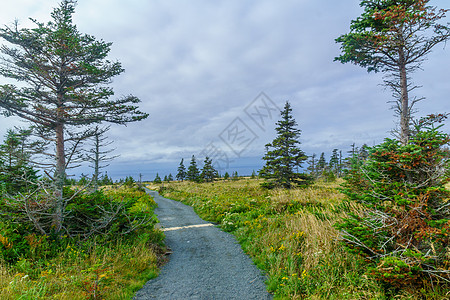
x=181 y=175
x=405 y=227
x=63 y=78
x=16 y=173
x=394 y=37
x=193 y=173
x=208 y=172
x=157 y=179
x=283 y=156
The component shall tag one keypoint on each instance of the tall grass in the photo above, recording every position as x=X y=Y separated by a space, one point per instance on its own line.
x=289 y=234
x=115 y=271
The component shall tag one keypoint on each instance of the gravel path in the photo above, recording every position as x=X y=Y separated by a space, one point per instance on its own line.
x=206 y=263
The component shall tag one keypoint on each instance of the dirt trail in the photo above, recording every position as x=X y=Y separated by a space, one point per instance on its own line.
x=206 y=263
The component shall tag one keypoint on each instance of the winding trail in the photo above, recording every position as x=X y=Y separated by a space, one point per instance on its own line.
x=206 y=263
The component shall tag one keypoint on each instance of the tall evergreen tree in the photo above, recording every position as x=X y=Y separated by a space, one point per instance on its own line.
x=193 y=173
x=363 y=152
x=181 y=175
x=352 y=161
x=357 y=156
x=321 y=163
x=394 y=37
x=312 y=165
x=84 y=180
x=402 y=228
x=63 y=77
x=129 y=180
x=283 y=155
x=106 y=180
x=208 y=172
x=353 y=151
x=16 y=172
x=334 y=162
x=157 y=179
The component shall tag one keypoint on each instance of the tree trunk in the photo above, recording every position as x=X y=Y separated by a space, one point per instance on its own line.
x=404 y=105
x=96 y=161
x=60 y=175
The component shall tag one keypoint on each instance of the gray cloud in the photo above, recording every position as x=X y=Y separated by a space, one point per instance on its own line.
x=197 y=64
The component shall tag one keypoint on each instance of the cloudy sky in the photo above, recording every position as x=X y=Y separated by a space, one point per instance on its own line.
x=213 y=73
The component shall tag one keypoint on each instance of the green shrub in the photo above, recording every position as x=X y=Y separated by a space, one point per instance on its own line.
x=404 y=229
x=129 y=181
x=20 y=241
x=123 y=212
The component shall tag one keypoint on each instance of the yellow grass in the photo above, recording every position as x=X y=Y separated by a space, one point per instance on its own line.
x=86 y=269
x=114 y=273
x=288 y=233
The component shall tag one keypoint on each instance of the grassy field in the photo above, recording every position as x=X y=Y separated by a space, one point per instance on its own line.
x=289 y=234
x=87 y=269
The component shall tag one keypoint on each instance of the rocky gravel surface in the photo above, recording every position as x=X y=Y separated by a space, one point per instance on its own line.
x=206 y=262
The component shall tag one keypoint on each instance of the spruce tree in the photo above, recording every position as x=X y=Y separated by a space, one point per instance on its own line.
x=364 y=152
x=283 y=155
x=170 y=177
x=129 y=181
x=334 y=162
x=157 y=179
x=16 y=172
x=354 y=151
x=181 y=175
x=208 y=172
x=352 y=161
x=62 y=88
x=106 y=180
x=84 y=180
x=394 y=37
x=321 y=163
x=193 y=173
x=402 y=227
x=312 y=165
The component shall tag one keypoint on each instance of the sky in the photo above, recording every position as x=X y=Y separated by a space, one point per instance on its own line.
x=214 y=74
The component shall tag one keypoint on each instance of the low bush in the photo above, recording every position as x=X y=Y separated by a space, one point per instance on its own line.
x=403 y=231
x=109 y=251
x=109 y=214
